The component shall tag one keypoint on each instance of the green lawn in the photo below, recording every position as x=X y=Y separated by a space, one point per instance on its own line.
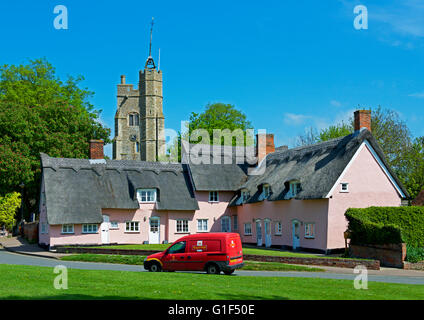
x=28 y=282
x=246 y=250
x=138 y=260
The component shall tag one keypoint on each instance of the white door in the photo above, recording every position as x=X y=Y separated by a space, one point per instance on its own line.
x=258 y=233
x=267 y=233
x=154 y=230
x=104 y=229
x=295 y=233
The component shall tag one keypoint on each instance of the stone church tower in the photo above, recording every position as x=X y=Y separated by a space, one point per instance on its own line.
x=139 y=120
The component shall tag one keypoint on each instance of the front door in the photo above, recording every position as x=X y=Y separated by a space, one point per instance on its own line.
x=154 y=230
x=259 y=233
x=104 y=229
x=267 y=233
x=295 y=234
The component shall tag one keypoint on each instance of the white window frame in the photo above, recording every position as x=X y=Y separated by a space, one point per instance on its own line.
x=203 y=223
x=278 y=228
x=213 y=196
x=145 y=193
x=68 y=229
x=135 y=225
x=310 y=232
x=250 y=227
x=183 y=223
x=342 y=184
x=88 y=226
x=114 y=227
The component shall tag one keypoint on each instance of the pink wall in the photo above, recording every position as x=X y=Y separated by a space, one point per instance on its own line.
x=311 y=211
x=368 y=186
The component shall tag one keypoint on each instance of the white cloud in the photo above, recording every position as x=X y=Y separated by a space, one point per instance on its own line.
x=335 y=103
x=295 y=119
x=417 y=95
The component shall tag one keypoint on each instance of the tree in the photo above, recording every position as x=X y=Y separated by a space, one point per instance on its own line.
x=40 y=113
x=223 y=117
x=8 y=206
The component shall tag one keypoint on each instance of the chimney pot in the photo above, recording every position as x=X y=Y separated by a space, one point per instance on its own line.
x=96 y=149
x=362 y=119
x=123 y=79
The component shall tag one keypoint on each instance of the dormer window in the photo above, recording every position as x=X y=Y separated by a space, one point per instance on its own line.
x=294 y=188
x=267 y=191
x=146 y=195
x=244 y=195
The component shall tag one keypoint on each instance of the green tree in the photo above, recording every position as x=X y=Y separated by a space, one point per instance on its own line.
x=223 y=117
x=40 y=113
x=8 y=206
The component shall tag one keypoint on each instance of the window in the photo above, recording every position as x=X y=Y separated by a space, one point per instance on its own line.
x=146 y=195
x=266 y=191
x=179 y=247
x=114 y=225
x=226 y=224
x=235 y=222
x=278 y=228
x=344 y=187
x=67 y=228
x=132 y=226
x=202 y=225
x=133 y=120
x=294 y=188
x=244 y=195
x=248 y=228
x=213 y=196
x=44 y=227
x=182 y=226
x=310 y=230
x=89 y=228
x=137 y=147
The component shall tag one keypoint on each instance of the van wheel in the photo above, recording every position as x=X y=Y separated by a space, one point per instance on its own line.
x=229 y=272
x=213 y=269
x=155 y=267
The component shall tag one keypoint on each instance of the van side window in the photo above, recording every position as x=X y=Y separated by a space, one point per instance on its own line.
x=179 y=247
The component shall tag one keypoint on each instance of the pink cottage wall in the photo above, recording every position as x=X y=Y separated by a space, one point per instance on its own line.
x=368 y=186
x=285 y=211
x=210 y=211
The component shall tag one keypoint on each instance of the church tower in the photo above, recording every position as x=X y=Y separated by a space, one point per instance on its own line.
x=139 y=120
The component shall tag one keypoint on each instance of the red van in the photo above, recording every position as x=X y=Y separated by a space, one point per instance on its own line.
x=210 y=252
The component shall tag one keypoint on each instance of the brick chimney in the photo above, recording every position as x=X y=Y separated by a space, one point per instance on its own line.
x=264 y=145
x=96 y=149
x=123 y=79
x=362 y=119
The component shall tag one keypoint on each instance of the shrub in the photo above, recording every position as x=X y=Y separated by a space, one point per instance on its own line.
x=383 y=225
x=414 y=254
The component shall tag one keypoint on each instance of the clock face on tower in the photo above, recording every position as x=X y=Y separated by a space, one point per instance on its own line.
x=133 y=138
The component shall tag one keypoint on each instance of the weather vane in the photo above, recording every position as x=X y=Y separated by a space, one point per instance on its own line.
x=149 y=62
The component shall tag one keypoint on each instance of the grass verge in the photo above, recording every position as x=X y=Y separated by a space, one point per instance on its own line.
x=30 y=282
x=138 y=260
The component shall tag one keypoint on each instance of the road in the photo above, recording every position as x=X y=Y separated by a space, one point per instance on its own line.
x=19 y=259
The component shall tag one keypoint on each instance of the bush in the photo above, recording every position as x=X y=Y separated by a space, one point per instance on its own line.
x=384 y=225
x=414 y=254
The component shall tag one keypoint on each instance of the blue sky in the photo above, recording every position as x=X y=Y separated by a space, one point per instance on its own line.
x=288 y=64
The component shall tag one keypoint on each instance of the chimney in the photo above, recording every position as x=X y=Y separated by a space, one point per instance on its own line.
x=123 y=79
x=264 y=145
x=362 y=119
x=96 y=149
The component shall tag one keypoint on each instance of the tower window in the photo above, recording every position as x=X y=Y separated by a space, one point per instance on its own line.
x=137 y=147
x=134 y=119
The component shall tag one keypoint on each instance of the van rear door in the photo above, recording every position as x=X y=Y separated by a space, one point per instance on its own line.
x=234 y=249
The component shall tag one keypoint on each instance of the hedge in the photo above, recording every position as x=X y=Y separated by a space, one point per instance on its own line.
x=384 y=225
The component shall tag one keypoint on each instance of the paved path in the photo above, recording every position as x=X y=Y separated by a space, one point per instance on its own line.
x=20 y=245
x=416 y=277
